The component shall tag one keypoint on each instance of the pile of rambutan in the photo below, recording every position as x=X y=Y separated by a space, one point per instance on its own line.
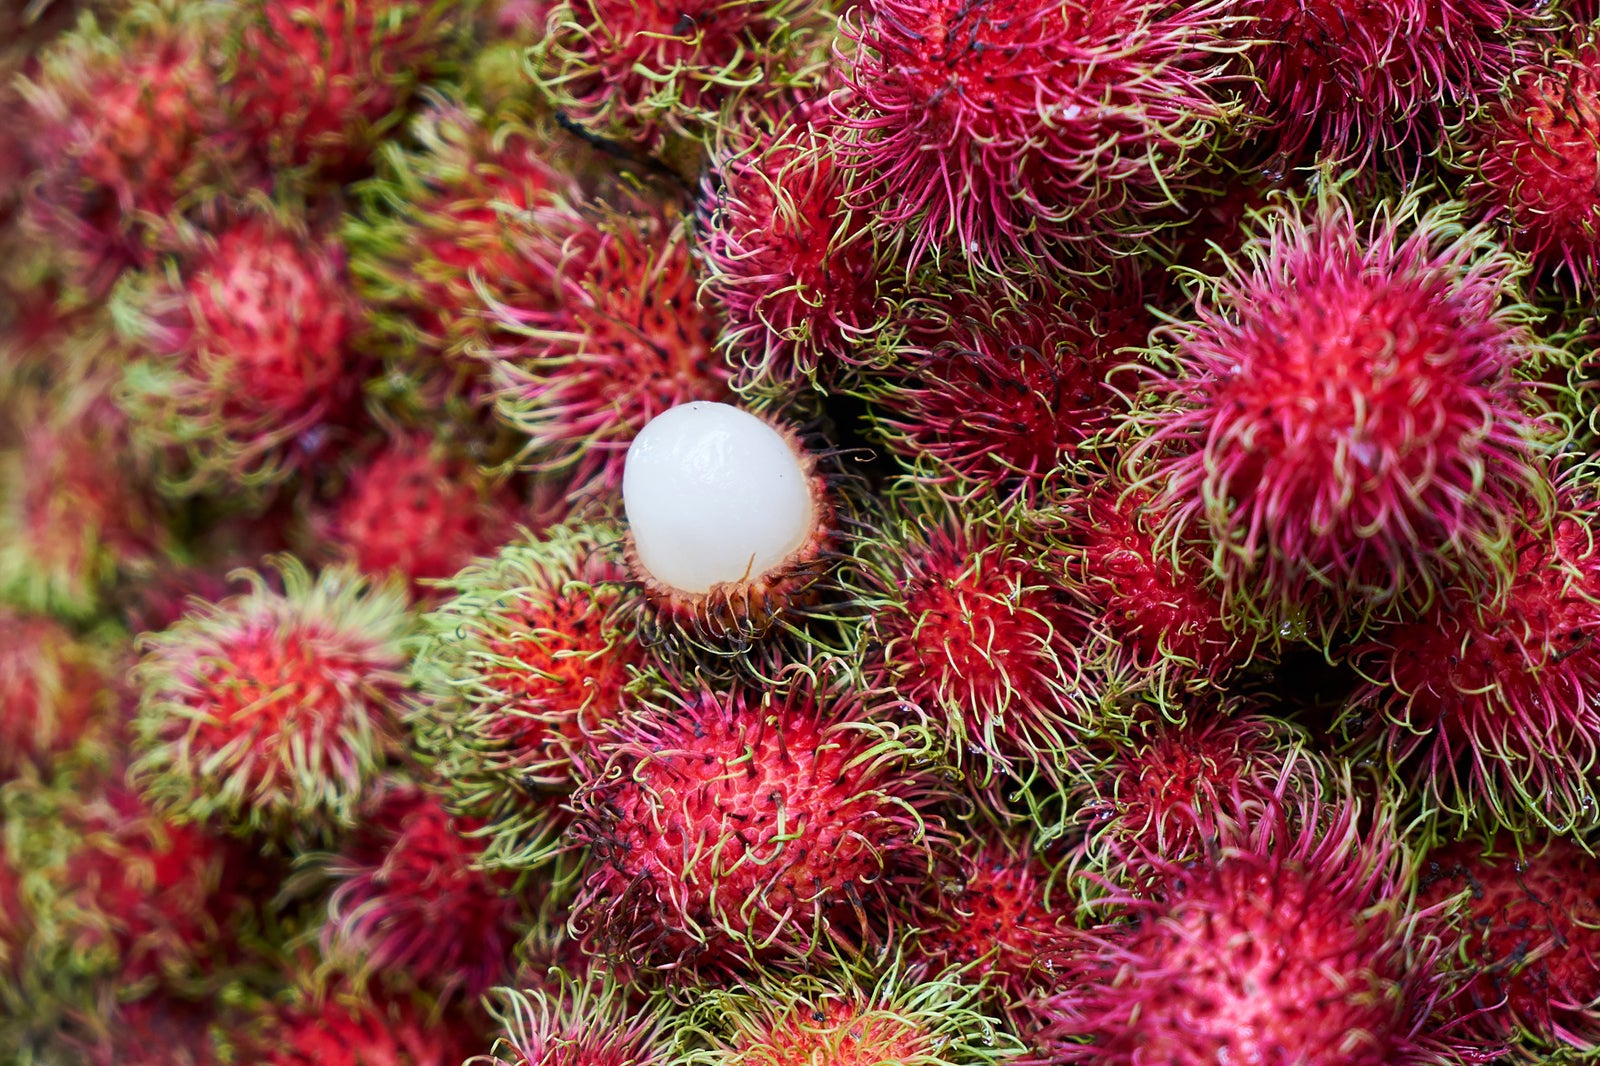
x=799 y=532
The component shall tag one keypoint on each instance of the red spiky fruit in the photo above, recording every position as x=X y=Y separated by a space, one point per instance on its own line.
x=573 y=1023
x=1344 y=428
x=438 y=223
x=53 y=687
x=991 y=389
x=411 y=902
x=1169 y=629
x=1354 y=77
x=1531 y=162
x=1491 y=697
x=249 y=350
x=346 y=1030
x=850 y=1020
x=123 y=125
x=1168 y=789
x=740 y=828
x=274 y=710
x=990 y=129
x=624 y=339
x=158 y=1029
x=319 y=82
x=773 y=206
x=76 y=514
x=1002 y=919
x=524 y=665
x=1291 y=943
x=642 y=72
x=1529 y=936
x=965 y=627
x=413 y=509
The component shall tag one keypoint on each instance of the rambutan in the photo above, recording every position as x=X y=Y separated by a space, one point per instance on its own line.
x=624 y=338
x=319 y=82
x=992 y=129
x=574 y=1023
x=1169 y=630
x=248 y=343
x=410 y=901
x=1169 y=789
x=1531 y=161
x=1491 y=698
x=753 y=827
x=1342 y=425
x=53 y=687
x=1352 y=78
x=997 y=920
x=641 y=71
x=274 y=710
x=791 y=265
x=854 y=1019
x=413 y=509
x=347 y=1030
x=732 y=524
x=438 y=222
x=961 y=623
x=990 y=389
x=158 y=1029
x=75 y=511
x=123 y=125
x=520 y=668
x=1290 y=943
x=1530 y=940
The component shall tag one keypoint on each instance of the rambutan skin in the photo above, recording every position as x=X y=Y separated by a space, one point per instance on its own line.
x=573 y=1023
x=1343 y=425
x=745 y=828
x=348 y=1030
x=272 y=711
x=1530 y=160
x=792 y=266
x=995 y=129
x=249 y=349
x=1289 y=944
x=623 y=339
x=1529 y=939
x=957 y=620
x=521 y=669
x=1492 y=697
x=54 y=687
x=410 y=900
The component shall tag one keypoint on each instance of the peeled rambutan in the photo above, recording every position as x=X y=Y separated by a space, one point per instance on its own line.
x=248 y=350
x=411 y=902
x=413 y=509
x=990 y=389
x=1531 y=161
x=320 y=82
x=991 y=129
x=640 y=71
x=274 y=710
x=438 y=222
x=1351 y=78
x=961 y=623
x=573 y=1023
x=1002 y=920
x=852 y=1019
x=1483 y=706
x=1291 y=942
x=523 y=665
x=1169 y=630
x=623 y=339
x=122 y=125
x=1343 y=427
x=1529 y=939
x=753 y=827
x=1169 y=789
x=53 y=687
x=792 y=266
